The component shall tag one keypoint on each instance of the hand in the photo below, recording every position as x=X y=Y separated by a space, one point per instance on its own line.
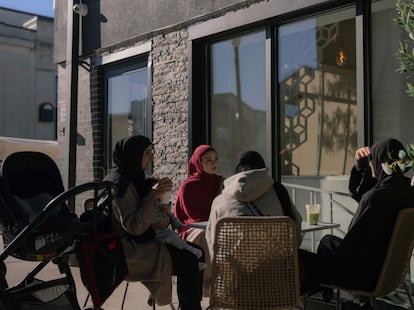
x=162 y=224
x=164 y=185
x=362 y=152
x=362 y=157
x=164 y=208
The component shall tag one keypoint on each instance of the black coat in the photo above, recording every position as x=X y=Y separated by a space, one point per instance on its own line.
x=357 y=261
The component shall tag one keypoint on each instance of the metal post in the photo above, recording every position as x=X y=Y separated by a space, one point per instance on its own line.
x=73 y=103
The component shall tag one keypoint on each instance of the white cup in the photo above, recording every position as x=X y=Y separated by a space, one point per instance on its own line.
x=165 y=197
x=312 y=213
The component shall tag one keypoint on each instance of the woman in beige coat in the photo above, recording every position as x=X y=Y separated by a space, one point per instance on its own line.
x=148 y=260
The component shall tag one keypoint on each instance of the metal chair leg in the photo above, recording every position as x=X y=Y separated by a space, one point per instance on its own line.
x=125 y=293
x=338 y=299
x=374 y=303
x=86 y=300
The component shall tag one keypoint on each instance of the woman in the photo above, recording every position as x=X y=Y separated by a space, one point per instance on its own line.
x=194 y=198
x=148 y=260
x=251 y=191
x=355 y=262
x=196 y=193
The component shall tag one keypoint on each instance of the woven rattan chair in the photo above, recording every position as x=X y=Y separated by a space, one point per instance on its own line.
x=255 y=264
x=396 y=261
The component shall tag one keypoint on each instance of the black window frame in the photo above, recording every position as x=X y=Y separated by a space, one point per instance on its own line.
x=199 y=99
x=115 y=69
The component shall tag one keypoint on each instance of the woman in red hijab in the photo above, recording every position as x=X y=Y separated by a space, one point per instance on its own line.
x=197 y=192
x=194 y=199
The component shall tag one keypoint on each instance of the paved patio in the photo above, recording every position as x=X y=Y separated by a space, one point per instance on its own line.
x=137 y=295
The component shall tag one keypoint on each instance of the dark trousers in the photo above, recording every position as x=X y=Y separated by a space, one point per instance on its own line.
x=189 y=278
x=316 y=268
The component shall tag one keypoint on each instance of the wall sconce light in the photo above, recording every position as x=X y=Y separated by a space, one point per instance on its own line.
x=81 y=9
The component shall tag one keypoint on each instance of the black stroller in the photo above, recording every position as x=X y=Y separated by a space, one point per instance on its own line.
x=37 y=225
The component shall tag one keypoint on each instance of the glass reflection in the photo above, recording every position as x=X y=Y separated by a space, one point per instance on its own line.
x=317 y=79
x=238 y=97
x=127 y=104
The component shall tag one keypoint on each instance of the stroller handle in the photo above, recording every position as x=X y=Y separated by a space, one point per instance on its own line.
x=108 y=186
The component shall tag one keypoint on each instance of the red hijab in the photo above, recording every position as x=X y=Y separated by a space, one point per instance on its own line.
x=196 y=193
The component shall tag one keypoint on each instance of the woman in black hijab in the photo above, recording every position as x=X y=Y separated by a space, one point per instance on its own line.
x=148 y=260
x=355 y=262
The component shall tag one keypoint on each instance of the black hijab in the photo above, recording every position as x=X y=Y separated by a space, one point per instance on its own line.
x=385 y=151
x=127 y=156
x=249 y=160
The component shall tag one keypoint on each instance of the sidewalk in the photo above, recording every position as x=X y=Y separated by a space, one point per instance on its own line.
x=136 y=298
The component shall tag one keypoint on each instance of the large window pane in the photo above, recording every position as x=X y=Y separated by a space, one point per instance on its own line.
x=393 y=110
x=317 y=80
x=127 y=103
x=238 y=97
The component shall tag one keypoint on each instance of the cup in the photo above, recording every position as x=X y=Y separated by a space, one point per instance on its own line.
x=312 y=213
x=165 y=197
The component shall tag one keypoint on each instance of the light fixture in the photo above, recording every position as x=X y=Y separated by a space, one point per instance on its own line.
x=81 y=9
x=341 y=58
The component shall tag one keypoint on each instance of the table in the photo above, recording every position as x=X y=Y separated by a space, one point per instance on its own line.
x=305 y=228
x=201 y=225
x=320 y=226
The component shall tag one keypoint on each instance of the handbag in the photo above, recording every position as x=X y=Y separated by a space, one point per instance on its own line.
x=101 y=258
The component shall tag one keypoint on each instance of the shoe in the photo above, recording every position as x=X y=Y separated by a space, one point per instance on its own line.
x=327 y=294
x=349 y=305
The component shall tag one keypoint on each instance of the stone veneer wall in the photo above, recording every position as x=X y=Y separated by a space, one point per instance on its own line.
x=170 y=105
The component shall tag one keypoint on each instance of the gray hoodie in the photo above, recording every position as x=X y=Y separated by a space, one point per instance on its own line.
x=248 y=186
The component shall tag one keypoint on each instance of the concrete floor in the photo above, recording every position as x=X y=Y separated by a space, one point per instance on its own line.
x=396 y=301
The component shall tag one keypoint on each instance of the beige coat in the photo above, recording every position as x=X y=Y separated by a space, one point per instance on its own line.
x=147 y=262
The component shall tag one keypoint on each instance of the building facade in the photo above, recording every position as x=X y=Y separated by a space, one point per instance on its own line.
x=28 y=79
x=303 y=82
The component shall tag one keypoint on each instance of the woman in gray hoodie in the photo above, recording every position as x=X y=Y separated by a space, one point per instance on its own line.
x=251 y=191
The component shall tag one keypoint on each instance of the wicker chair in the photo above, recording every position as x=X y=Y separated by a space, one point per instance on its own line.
x=396 y=261
x=255 y=264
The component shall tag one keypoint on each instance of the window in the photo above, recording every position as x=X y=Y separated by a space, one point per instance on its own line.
x=318 y=100
x=128 y=107
x=238 y=97
x=307 y=90
x=315 y=95
x=392 y=108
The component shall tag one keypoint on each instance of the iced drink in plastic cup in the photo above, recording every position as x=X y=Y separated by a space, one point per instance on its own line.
x=312 y=213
